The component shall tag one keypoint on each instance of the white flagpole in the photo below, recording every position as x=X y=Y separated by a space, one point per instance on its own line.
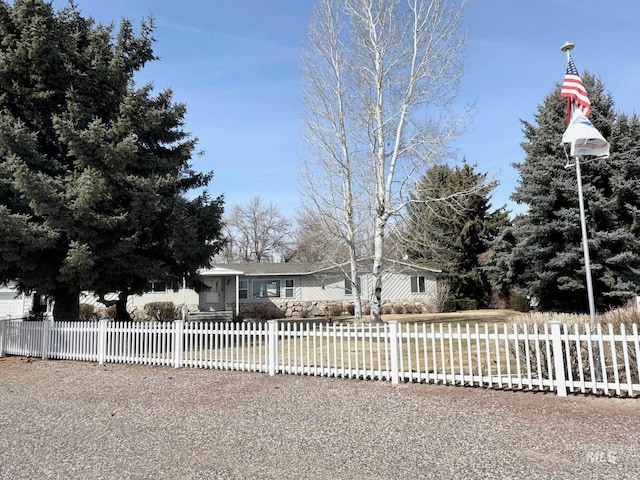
x=585 y=248
x=567 y=47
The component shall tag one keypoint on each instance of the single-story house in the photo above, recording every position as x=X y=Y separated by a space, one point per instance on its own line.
x=300 y=289
x=297 y=289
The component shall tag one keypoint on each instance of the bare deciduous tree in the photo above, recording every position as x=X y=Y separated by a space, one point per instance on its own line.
x=257 y=233
x=314 y=240
x=380 y=76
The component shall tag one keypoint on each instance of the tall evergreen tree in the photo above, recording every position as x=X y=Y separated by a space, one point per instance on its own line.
x=94 y=172
x=548 y=256
x=450 y=224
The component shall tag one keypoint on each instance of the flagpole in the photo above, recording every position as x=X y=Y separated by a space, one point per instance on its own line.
x=585 y=248
x=567 y=47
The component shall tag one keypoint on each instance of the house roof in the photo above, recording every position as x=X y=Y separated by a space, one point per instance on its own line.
x=275 y=269
x=298 y=268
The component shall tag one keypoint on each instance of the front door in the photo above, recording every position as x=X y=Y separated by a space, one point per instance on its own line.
x=212 y=299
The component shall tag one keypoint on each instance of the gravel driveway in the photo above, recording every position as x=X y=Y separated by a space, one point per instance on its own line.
x=74 y=420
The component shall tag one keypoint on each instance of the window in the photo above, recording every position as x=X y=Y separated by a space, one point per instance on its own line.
x=288 y=288
x=348 y=290
x=418 y=284
x=157 y=287
x=266 y=288
x=243 y=288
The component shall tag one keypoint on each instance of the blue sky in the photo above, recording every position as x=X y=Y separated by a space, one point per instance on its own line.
x=236 y=65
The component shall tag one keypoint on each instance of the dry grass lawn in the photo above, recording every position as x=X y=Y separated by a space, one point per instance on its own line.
x=471 y=316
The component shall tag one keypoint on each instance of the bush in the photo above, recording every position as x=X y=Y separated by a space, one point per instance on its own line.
x=456 y=304
x=88 y=312
x=442 y=295
x=335 y=310
x=265 y=312
x=449 y=305
x=161 y=311
x=519 y=303
x=108 y=313
x=467 y=304
x=36 y=316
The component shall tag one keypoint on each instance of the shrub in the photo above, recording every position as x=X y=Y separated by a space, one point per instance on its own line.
x=456 y=304
x=108 y=313
x=335 y=310
x=351 y=309
x=36 y=316
x=161 y=311
x=498 y=301
x=442 y=295
x=265 y=312
x=88 y=312
x=518 y=303
x=467 y=304
x=449 y=305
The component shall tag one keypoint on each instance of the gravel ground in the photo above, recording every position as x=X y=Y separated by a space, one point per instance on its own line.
x=74 y=420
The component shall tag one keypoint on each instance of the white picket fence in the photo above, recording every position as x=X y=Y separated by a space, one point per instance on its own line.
x=558 y=357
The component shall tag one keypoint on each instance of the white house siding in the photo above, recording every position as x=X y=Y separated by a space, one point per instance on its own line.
x=12 y=304
x=190 y=297
x=324 y=288
x=398 y=286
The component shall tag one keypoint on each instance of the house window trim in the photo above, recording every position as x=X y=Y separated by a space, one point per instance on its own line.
x=348 y=290
x=152 y=287
x=418 y=284
x=267 y=281
x=245 y=289
x=289 y=290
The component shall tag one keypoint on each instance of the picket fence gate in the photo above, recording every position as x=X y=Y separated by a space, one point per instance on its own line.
x=557 y=357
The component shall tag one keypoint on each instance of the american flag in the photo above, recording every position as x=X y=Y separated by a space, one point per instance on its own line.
x=573 y=89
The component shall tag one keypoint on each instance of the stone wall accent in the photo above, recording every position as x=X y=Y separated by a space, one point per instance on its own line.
x=295 y=309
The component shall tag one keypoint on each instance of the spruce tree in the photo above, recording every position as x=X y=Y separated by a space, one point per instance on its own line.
x=94 y=171
x=548 y=255
x=450 y=224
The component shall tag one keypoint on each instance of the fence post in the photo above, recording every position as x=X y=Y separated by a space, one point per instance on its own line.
x=44 y=341
x=3 y=334
x=102 y=341
x=393 y=342
x=558 y=359
x=178 y=342
x=272 y=346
